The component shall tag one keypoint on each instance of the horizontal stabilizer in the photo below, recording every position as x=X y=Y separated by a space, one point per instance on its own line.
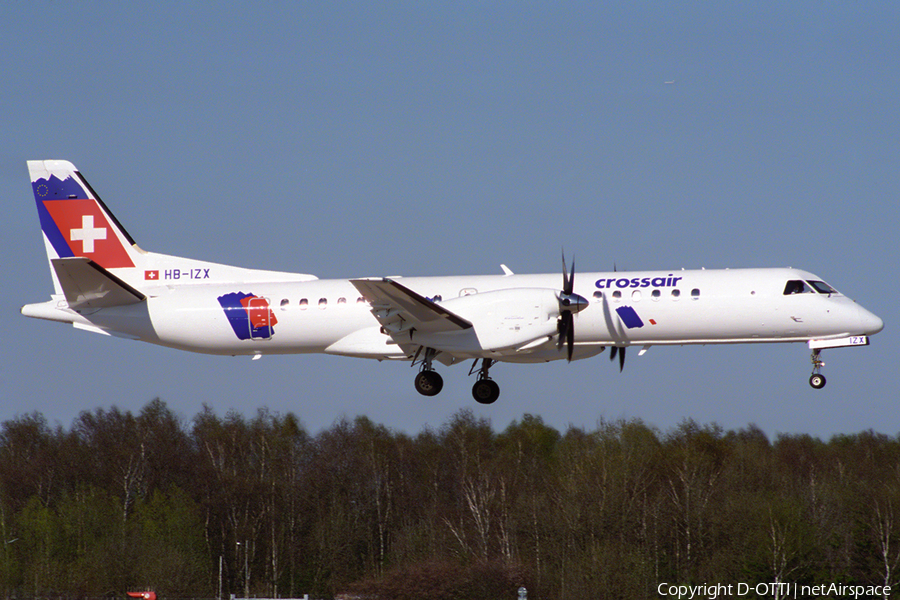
x=87 y=285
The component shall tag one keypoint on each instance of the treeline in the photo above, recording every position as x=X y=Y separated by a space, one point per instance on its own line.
x=122 y=502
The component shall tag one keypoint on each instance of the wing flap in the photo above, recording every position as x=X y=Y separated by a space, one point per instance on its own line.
x=87 y=285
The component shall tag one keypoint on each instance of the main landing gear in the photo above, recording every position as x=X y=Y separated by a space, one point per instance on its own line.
x=817 y=380
x=428 y=382
x=485 y=390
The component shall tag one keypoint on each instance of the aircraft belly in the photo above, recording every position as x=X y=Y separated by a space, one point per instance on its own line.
x=368 y=342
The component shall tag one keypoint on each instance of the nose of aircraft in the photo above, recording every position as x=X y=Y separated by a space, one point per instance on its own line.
x=870 y=323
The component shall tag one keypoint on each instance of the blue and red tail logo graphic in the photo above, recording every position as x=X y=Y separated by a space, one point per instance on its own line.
x=75 y=225
x=249 y=315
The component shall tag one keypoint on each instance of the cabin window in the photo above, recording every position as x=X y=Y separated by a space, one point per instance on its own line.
x=796 y=286
x=655 y=294
x=617 y=294
x=822 y=287
x=323 y=302
x=304 y=303
x=676 y=293
x=284 y=304
x=360 y=300
x=598 y=295
x=342 y=301
x=695 y=294
x=636 y=296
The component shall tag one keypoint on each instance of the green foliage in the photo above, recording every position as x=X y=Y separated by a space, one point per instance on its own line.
x=172 y=557
x=225 y=505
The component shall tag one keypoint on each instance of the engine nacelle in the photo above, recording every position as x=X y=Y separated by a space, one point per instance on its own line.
x=502 y=319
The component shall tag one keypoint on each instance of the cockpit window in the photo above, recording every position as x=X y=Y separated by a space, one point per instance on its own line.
x=822 y=287
x=796 y=286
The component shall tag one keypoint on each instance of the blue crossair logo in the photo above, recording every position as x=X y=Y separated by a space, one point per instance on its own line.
x=637 y=282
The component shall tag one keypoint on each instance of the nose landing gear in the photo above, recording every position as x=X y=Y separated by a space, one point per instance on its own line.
x=817 y=380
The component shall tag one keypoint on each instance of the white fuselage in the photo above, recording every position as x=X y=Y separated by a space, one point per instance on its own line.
x=673 y=307
x=105 y=283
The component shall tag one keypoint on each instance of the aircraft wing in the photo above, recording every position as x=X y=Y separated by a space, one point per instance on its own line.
x=87 y=285
x=400 y=309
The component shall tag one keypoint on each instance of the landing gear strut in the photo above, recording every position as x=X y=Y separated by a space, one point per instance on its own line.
x=485 y=390
x=817 y=380
x=428 y=382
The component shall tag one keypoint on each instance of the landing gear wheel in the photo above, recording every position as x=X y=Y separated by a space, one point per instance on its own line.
x=485 y=391
x=429 y=383
x=817 y=380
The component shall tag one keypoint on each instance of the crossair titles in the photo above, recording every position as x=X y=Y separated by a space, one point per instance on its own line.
x=637 y=282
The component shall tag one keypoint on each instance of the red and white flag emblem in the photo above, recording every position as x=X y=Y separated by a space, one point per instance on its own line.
x=151 y=275
x=87 y=232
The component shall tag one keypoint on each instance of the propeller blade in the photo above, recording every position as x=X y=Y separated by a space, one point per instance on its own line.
x=621 y=353
x=562 y=327
x=569 y=304
x=568 y=280
x=571 y=288
x=565 y=272
x=566 y=328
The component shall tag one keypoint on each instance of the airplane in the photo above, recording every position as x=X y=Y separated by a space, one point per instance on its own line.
x=105 y=283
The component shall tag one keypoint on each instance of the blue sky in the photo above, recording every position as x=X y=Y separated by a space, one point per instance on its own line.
x=365 y=139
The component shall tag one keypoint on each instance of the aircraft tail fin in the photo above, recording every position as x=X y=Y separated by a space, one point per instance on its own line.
x=76 y=222
x=78 y=225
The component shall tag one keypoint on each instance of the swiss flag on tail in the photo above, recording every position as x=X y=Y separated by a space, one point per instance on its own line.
x=87 y=232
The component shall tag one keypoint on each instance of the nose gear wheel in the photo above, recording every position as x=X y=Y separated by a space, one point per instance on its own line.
x=817 y=380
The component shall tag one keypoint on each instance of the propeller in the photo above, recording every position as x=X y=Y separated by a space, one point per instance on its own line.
x=569 y=304
x=621 y=353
